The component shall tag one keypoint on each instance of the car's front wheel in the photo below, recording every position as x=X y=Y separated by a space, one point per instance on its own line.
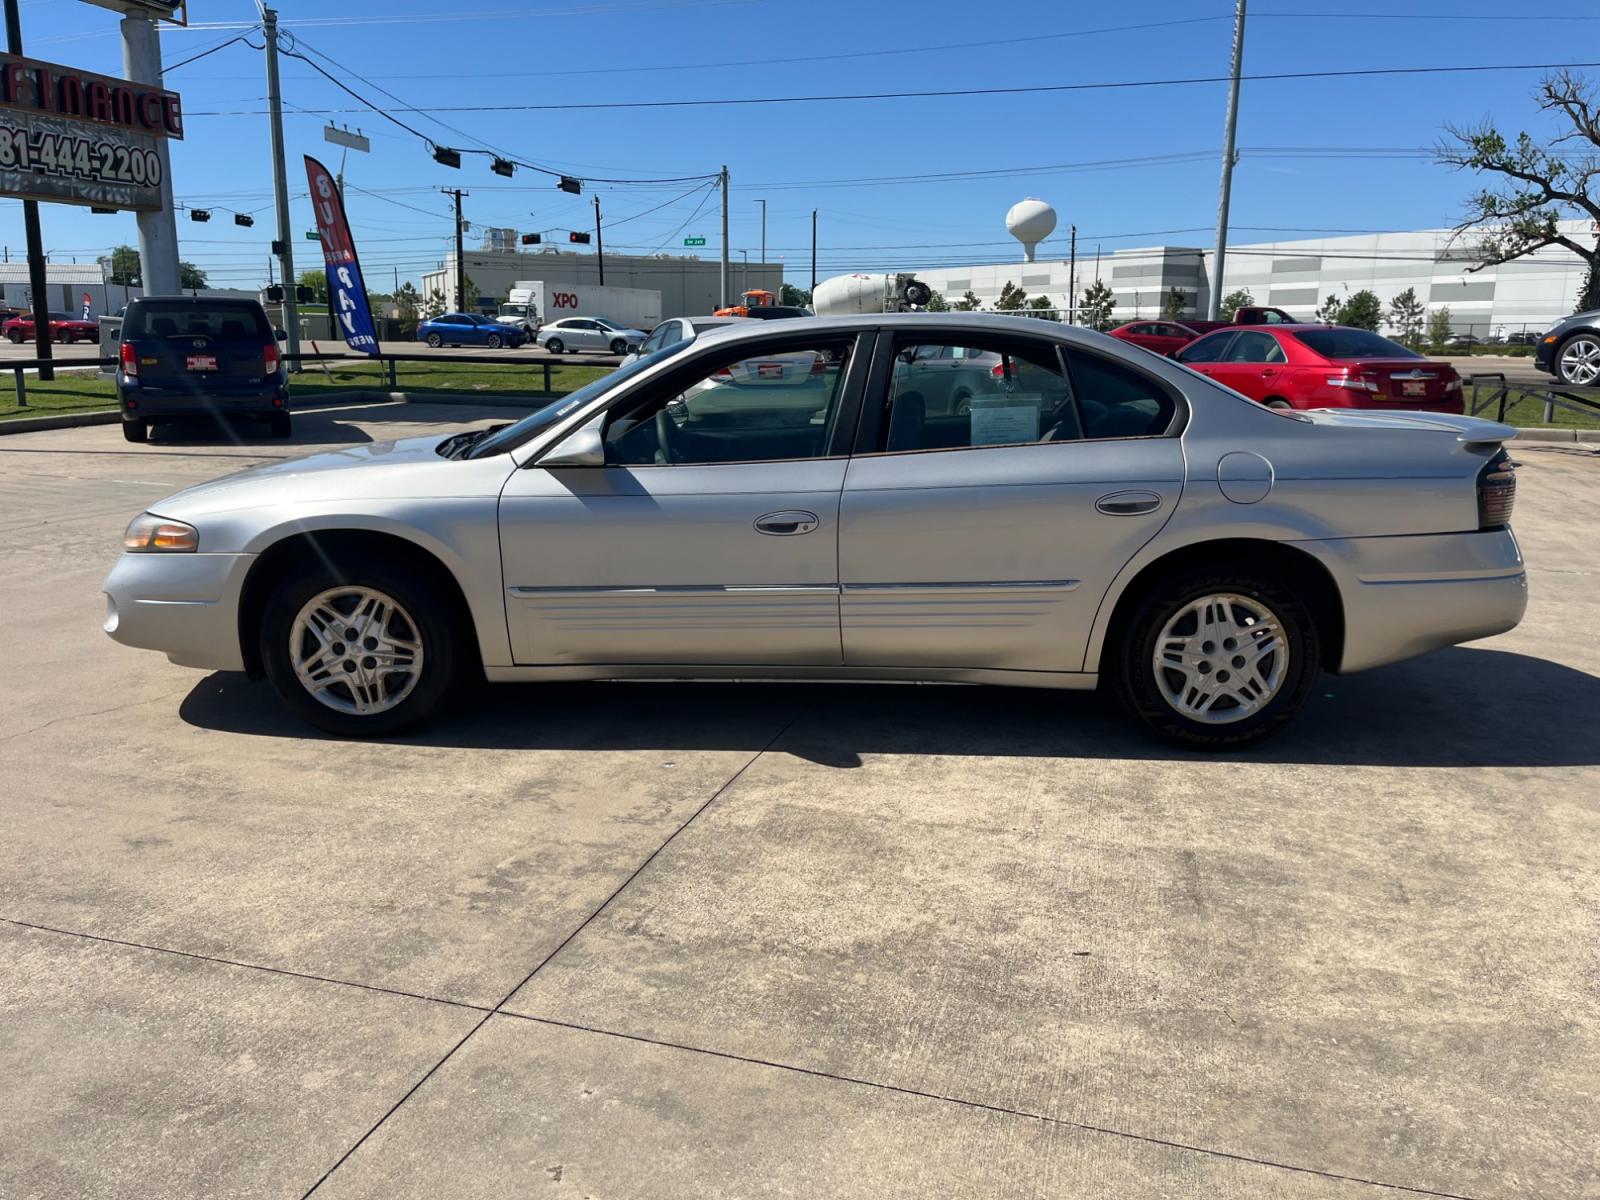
x=361 y=648
x=1218 y=659
x=435 y=340
x=555 y=346
x=16 y=337
x=1579 y=360
x=492 y=341
x=618 y=346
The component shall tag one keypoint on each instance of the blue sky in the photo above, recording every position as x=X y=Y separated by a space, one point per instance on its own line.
x=1307 y=146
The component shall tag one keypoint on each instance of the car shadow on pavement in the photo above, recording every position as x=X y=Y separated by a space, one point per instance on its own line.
x=1456 y=708
x=310 y=430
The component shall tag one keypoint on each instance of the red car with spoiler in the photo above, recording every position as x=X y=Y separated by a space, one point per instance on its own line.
x=1323 y=366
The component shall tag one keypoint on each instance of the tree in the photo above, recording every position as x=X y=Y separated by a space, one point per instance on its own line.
x=1097 y=306
x=125 y=267
x=1011 y=298
x=190 y=276
x=1533 y=188
x=408 y=307
x=937 y=303
x=1362 y=311
x=968 y=303
x=1439 y=326
x=317 y=281
x=1234 y=301
x=793 y=297
x=1406 y=314
x=470 y=293
x=1041 y=307
x=1328 y=311
x=433 y=306
x=1174 y=303
x=1589 y=290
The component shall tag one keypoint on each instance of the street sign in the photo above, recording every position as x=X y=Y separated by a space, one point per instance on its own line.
x=80 y=138
x=694 y=241
x=313 y=236
x=175 y=11
x=343 y=137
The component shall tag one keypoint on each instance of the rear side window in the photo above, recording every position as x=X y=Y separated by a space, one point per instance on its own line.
x=1115 y=402
x=232 y=322
x=1352 y=343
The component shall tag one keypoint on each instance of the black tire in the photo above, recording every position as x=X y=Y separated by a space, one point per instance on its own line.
x=136 y=431
x=1134 y=676
x=555 y=346
x=435 y=340
x=1277 y=402
x=435 y=626
x=492 y=341
x=16 y=337
x=280 y=424
x=619 y=347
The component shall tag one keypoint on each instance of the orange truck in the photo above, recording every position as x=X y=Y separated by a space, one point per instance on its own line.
x=754 y=298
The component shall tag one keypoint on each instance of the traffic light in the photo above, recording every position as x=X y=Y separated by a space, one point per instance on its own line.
x=569 y=184
x=304 y=295
x=278 y=248
x=503 y=166
x=199 y=214
x=581 y=238
x=275 y=294
x=446 y=156
x=530 y=239
x=244 y=219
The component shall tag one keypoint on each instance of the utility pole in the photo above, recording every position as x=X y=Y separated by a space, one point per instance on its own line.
x=280 y=187
x=158 y=231
x=813 y=257
x=38 y=277
x=461 y=261
x=1214 y=303
x=724 y=303
x=599 y=242
x=1072 y=279
x=763 y=204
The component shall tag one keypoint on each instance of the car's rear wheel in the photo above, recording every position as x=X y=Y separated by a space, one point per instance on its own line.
x=555 y=346
x=1579 y=360
x=1277 y=402
x=435 y=340
x=16 y=337
x=492 y=341
x=1218 y=659
x=280 y=424
x=363 y=647
x=618 y=346
x=136 y=431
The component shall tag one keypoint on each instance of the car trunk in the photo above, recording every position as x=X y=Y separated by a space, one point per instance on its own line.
x=1402 y=381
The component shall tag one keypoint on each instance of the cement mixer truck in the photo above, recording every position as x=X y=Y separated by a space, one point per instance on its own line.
x=860 y=293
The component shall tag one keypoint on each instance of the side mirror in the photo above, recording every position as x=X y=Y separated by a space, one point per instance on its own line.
x=583 y=447
x=282 y=336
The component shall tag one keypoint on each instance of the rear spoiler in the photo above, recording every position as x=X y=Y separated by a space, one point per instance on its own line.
x=1469 y=431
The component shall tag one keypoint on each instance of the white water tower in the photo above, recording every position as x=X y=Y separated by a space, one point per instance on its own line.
x=1030 y=221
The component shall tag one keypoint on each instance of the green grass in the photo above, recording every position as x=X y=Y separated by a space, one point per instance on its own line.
x=80 y=391
x=1528 y=412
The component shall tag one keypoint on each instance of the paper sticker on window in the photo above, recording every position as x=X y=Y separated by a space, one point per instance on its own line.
x=999 y=420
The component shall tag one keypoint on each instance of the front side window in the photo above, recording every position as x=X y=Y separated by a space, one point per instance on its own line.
x=741 y=407
x=1207 y=349
x=950 y=397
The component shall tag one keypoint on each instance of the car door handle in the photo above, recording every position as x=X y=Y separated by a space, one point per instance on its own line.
x=1128 y=504
x=783 y=524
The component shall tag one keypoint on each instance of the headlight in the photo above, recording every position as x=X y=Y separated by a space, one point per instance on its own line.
x=149 y=533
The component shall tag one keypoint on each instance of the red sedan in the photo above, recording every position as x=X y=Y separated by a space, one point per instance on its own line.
x=64 y=328
x=1164 y=337
x=1323 y=366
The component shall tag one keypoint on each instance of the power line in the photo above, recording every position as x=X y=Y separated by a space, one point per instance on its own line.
x=854 y=97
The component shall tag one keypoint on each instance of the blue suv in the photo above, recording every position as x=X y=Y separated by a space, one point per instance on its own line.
x=469 y=329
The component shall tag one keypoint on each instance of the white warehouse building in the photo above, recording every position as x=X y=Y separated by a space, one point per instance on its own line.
x=1297 y=276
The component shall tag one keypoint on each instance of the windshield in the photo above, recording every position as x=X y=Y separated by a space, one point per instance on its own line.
x=1339 y=342
x=538 y=421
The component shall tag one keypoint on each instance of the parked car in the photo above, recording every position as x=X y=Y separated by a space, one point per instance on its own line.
x=1163 y=337
x=674 y=330
x=199 y=356
x=1110 y=516
x=1571 y=350
x=572 y=334
x=1249 y=314
x=469 y=329
x=64 y=329
x=1323 y=366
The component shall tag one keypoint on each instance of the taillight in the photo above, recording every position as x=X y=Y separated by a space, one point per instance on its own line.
x=818 y=366
x=1357 y=382
x=722 y=373
x=1497 y=491
x=999 y=369
x=128 y=358
x=269 y=359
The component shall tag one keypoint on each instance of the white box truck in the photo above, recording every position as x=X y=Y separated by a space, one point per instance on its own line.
x=536 y=302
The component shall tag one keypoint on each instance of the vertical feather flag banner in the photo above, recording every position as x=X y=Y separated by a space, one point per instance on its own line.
x=347 y=293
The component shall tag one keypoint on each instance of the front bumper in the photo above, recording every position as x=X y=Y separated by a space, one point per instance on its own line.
x=1544 y=356
x=1404 y=596
x=185 y=605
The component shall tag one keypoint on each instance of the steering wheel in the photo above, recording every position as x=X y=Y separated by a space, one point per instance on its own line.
x=666 y=436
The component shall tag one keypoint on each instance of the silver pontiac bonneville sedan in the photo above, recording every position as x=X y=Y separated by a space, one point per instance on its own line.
x=808 y=499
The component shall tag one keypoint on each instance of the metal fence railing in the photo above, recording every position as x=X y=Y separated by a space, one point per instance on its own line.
x=1490 y=390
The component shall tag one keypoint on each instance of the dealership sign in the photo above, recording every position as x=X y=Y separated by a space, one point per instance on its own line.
x=347 y=292
x=73 y=136
x=157 y=10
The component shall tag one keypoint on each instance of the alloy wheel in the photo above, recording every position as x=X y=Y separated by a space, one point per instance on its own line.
x=1580 y=361
x=1221 y=658
x=356 y=650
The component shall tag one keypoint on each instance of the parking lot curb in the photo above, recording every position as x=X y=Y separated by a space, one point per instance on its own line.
x=1558 y=435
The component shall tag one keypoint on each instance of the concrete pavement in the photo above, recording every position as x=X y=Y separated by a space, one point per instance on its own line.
x=719 y=940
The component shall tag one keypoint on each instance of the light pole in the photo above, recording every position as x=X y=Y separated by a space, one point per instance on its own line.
x=1214 y=304
x=763 y=259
